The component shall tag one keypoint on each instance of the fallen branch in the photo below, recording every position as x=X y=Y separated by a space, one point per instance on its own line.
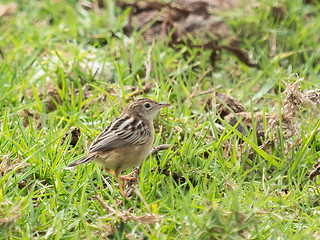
x=127 y=216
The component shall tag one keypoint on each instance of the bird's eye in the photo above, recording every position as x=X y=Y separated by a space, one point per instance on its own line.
x=147 y=105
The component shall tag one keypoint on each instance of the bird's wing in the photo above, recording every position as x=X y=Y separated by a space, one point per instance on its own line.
x=122 y=132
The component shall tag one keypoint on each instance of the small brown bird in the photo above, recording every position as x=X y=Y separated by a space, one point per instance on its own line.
x=127 y=141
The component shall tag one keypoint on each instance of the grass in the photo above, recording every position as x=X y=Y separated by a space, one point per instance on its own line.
x=220 y=197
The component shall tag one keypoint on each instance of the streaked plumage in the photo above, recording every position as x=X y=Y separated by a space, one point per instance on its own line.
x=127 y=141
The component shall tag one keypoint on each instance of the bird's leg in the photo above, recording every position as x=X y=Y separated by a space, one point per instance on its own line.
x=123 y=178
x=112 y=173
x=127 y=177
x=118 y=177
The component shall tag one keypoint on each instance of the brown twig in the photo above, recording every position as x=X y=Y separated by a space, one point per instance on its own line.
x=198 y=83
x=142 y=199
x=126 y=216
x=147 y=85
x=103 y=204
x=147 y=88
x=14 y=214
x=147 y=64
x=316 y=170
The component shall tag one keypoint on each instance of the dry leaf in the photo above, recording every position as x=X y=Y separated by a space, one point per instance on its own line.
x=75 y=134
x=222 y=110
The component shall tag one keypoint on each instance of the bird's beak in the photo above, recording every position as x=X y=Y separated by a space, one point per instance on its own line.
x=162 y=105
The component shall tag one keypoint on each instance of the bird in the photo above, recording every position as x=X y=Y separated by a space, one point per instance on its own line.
x=127 y=141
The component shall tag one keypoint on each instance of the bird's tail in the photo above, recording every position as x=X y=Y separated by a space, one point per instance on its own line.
x=88 y=158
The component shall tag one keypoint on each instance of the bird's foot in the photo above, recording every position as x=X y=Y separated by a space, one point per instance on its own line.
x=129 y=176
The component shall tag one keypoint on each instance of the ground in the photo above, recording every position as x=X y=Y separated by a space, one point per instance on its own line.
x=68 y=68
